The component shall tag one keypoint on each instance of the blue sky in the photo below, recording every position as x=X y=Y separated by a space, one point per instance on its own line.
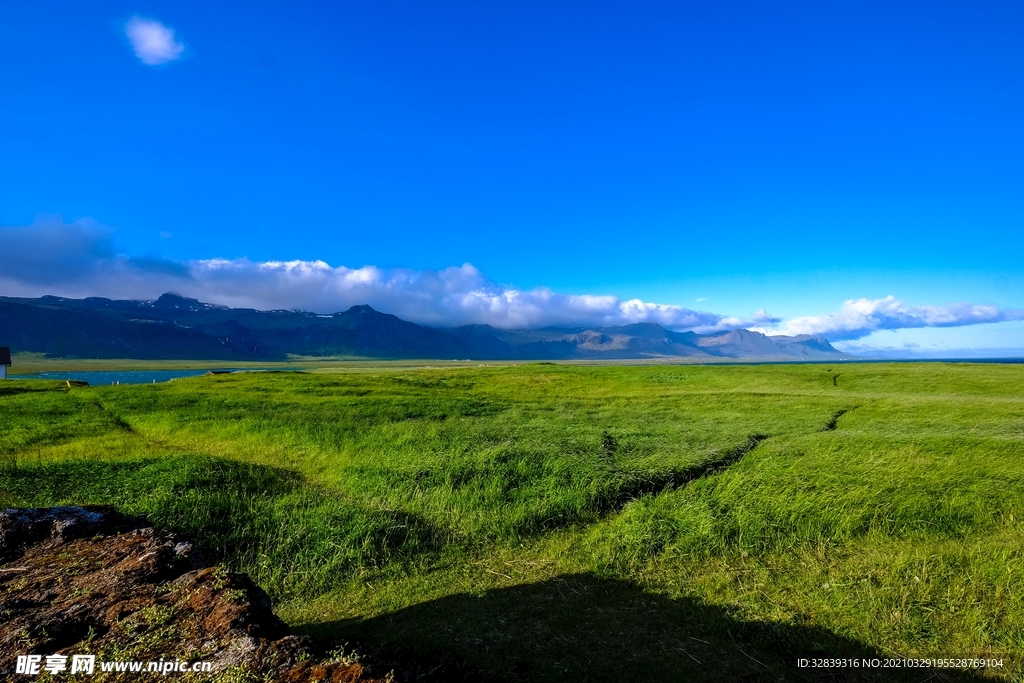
x=724 y=157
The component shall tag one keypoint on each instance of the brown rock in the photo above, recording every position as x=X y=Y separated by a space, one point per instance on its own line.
x=88 y=580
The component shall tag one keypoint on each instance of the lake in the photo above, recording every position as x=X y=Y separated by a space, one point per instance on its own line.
x=98 y=378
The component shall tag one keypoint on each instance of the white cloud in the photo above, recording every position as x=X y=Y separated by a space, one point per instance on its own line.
x=153 y=42
x=859 y=318
x=79 y=260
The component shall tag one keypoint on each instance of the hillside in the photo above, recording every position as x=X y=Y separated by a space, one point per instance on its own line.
x=178 y=327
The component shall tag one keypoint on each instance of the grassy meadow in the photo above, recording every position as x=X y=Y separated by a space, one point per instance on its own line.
x=552 y=522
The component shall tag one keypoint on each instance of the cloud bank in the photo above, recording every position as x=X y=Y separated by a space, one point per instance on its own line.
x=859 y=318
x=80 y=260
x=153 y=42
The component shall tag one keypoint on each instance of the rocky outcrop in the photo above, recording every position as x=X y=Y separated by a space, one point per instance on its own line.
x=90 y=581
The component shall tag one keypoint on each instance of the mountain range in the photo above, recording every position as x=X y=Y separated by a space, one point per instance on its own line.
x=176 y=327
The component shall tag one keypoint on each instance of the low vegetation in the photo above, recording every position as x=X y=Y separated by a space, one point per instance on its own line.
x=581 y=523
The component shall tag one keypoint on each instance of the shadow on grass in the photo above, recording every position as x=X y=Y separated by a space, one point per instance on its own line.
x=583 y=628
x=291 y=537
x=13 y=387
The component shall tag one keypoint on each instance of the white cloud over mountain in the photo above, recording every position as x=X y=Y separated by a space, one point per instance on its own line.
x=153 y=42
x=79 y=260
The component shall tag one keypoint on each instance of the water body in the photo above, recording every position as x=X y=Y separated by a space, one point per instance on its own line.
x=99 y=378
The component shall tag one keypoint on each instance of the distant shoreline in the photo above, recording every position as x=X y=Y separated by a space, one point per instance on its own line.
x=30 y=366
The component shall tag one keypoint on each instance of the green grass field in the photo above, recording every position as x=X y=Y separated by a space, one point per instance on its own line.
x=551 y=522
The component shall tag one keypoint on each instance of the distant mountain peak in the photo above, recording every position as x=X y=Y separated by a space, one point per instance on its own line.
x=176 y=326
x=174 y=300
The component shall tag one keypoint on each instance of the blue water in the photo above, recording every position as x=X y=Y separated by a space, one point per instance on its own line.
x=97 y=378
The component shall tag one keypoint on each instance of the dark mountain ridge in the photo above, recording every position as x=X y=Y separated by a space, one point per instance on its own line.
x=176 y=327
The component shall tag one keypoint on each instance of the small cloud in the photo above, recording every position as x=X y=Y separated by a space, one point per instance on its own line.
x=701 y=298
x=153 y=42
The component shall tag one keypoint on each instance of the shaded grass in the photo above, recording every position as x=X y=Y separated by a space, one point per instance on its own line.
x=582 y=627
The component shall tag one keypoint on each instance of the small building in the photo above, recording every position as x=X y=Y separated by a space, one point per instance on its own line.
x=5 y=361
